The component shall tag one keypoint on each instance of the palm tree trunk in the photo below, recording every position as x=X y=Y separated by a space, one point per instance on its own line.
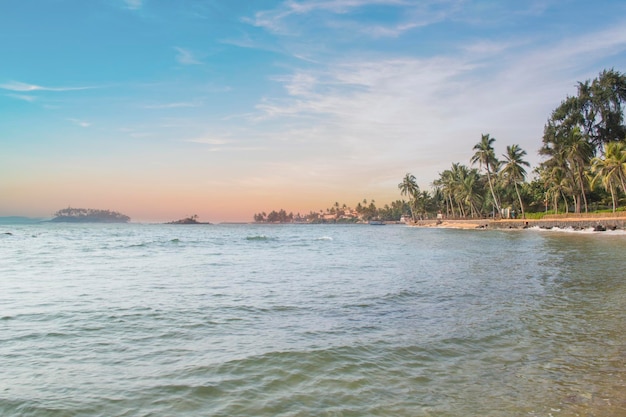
x=475 y=210
x=451 y=204
x=461 y=210
x=556 y=203
x=582 y=190
x=612 y=196
x=493 y=194
x=519 y=197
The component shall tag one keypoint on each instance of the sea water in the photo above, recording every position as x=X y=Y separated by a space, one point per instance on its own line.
x=310 y=320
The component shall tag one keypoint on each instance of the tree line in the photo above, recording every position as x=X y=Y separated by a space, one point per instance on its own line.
x=339 y=213
x=584 y=166
x=583 y=169
x=72 y=214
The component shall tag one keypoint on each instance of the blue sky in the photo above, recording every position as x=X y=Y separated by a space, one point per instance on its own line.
x=161 y=109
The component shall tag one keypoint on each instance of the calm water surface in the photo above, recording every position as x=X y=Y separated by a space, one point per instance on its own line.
x=299 y=320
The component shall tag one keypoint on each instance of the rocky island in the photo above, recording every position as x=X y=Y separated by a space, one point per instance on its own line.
x=81 y=215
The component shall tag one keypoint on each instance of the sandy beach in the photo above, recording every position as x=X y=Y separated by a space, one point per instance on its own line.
x=453 y=224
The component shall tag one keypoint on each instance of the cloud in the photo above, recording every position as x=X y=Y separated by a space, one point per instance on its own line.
x=340 y=6
x=133 y=4
x=22 y=97
x=24 y=87
x=416 y=112
x=80 y=123
x=186 y=57
x=288 y=18
x=174 y=105
x=209 y=141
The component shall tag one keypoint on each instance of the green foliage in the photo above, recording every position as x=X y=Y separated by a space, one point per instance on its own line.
x=578 y=130
x=535 y=216
x=187 y=220
x=81 y=215
x=280 y=216
x=584 y=145
x=340 y=214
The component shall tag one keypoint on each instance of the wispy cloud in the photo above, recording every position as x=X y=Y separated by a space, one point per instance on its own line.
x=489 y=47
x=337 y=14
x=226 y=144
x=428 y=106
x=24 y=87
x=246 y=41
x=174 y=105
x=80 y=123
x=209 y=140
x=22 y=97
x=186 y=57
x=340 y=6
x=133 y=4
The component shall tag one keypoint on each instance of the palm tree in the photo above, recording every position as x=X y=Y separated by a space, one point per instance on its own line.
x=445 y=184
x=578 y=152
x=471 y=191
x=513 y=170
x=569 y=155
x=486 y=158
x=611 y=170
x=409 y=187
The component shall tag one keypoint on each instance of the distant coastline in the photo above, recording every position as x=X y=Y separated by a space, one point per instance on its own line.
x=81 y=215
x=19 y=220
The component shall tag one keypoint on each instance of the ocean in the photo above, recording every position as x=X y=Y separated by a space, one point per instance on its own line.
x=310 y=320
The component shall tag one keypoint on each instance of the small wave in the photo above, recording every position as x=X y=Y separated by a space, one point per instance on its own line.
x=325 y=238
x=174 y=241
x=401 y=295
x=138 y=245
x=262 y=238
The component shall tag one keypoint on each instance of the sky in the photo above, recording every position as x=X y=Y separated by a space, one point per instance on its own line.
x=161 y=109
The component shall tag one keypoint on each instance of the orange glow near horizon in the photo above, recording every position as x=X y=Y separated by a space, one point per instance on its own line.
x=158 y=204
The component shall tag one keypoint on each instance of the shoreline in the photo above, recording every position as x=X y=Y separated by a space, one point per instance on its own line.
x=576 y=223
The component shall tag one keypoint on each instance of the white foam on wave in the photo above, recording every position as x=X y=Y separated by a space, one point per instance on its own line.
x=324 y=238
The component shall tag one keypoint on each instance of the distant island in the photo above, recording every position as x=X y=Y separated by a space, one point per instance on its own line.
x=188 y=220
x=81 y=215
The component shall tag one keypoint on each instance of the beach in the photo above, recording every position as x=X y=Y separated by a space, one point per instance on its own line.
x=581 y=221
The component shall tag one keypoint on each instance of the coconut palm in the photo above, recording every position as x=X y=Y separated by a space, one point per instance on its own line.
x=513 y=170
x=569 y=154
x=446 y=184
x=409 y=187
x=578 y=152
x=461 y=185
x=611 y=169
x=486 y=158
x=471 y=191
